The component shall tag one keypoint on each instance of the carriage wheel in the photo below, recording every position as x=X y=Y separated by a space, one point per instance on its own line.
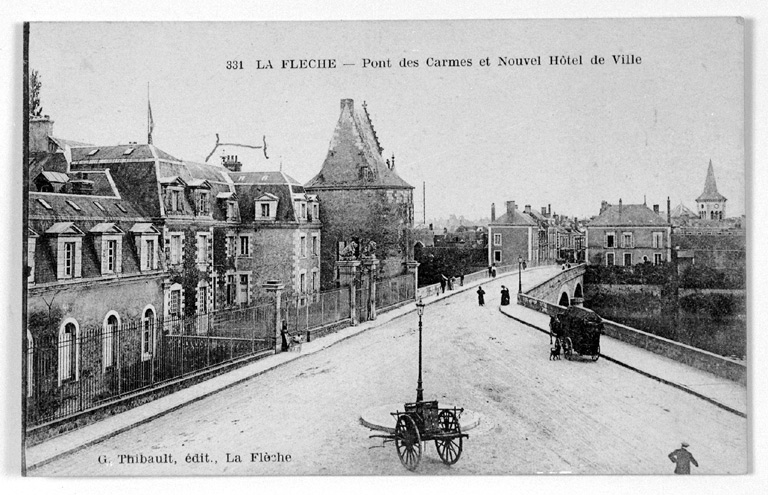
x=408 y=442
x=449 y=449
x=596 y=355
x=568 y=348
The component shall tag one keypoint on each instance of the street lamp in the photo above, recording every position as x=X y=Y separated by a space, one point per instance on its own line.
x=419 y=389
x=519 y=274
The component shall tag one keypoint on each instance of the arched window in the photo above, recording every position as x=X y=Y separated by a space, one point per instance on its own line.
x=148 y=333
x=68 y=351
x=110 y=339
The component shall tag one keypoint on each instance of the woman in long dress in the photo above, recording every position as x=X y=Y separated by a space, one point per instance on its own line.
x=480 y=298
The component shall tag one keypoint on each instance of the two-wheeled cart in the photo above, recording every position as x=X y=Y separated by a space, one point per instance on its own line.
x=580 y=332
x=422 y=422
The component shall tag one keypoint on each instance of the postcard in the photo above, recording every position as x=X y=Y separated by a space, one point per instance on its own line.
x=465 y=247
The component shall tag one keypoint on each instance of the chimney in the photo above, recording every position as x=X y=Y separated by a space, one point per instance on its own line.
x=231 y=163
x=81 y=186
x=549 y=209
x=40 y=128
x=493 y=212
x=348 y=104
x=619 y=207
x=603 y=206
x=669 y=211
x=656 y=209
x=511 y=207
x=544 y=211
x=528 y=209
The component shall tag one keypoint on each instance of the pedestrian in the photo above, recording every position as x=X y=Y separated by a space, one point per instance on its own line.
x=443 y=283
x=480 y=294
x=504 y=296
x=524 y=265
x=555 y=328
x=451 y=281
x=284 y=336
x=461 y=279
x=493 y=271
x=683 y=459
x=489 y=270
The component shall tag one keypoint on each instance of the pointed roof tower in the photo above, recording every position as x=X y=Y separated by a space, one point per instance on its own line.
x=710 y=187
x=354 y=155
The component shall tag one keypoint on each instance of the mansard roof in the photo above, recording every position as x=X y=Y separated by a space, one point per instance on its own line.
x=627 y=215
x=710 y=187
x=354 y=155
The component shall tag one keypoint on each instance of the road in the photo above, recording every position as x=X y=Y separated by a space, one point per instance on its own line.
x=538 y=416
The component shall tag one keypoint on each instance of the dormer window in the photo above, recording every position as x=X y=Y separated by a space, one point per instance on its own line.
x=265 y=207
x=100 y=206
x=127 y=151
x=66 y=242
x=201 y=203
x=201 y=196
x=74 y=205
x=108 y=242
x=93 y=152
x=228 y=202
x=146 y=238
x=44 y=204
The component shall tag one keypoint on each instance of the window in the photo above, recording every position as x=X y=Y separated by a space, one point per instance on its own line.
x=202 y=203
x=244 y=286
x=110 y=340
x=202 y=248
x=175 y=249
x=111 y=255
x=303 y=210
x=610 y=259
x=302 y=282
x=303 y=246
x=627 y=259
x=231 y=246
x=497 y=239
x=610 y=240
x=626 y=240
x=149 y=247
x=231 y=211
x=93 y=152
x=497 y=256
x=147 y=334
x=69 y=260
x=68 y=352
x=230 y=288
x=657 y=258
x=202 y=299
x=175 y=204
x=314 y=245
x=174 y=306
x=315 y=285
x=245 y=245
x=45 y=204
x=265 y=210
x=658 y=239
x=316 y=210
x=74 y=205
x=128 y=151
x=100 y=206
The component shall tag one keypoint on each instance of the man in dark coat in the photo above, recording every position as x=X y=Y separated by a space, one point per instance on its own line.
x=443 y=283
x=480 y=298
x=683 y=459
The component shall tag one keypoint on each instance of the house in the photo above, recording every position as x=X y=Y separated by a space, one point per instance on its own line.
x=512 y=236
x=628 y=234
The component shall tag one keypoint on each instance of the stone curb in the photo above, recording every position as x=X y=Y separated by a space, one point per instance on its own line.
x=644 y=373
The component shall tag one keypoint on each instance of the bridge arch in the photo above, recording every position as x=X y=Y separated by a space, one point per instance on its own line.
x=564 y=300
x=578 y=292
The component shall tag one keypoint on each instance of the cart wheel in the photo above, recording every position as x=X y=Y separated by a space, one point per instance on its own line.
x=408 y=442
x=568 y=348
x=449 y=449
x=596 y=355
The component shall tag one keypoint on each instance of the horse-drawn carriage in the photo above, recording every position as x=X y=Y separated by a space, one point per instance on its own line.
x=577 y=330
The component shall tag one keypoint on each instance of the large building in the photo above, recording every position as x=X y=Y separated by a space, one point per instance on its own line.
x=362 y=198
x=627 y=235
x=512 y=236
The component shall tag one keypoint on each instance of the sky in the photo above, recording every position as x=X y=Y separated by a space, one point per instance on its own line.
x=567 y=136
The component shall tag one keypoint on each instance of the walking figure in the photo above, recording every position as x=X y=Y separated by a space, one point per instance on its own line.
x=490 y=272
x=493 y=271
x=480 y=298
x=504 y=296
x=443 y=282
x=461 y=279
x=450 y=282
x=683 y=459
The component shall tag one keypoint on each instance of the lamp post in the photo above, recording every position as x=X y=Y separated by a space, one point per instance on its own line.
x=519 y=274
x=419 y=389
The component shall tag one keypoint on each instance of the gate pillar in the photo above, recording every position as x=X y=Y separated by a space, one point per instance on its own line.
x=371 y=269
x=348 y=270
x=276 y=288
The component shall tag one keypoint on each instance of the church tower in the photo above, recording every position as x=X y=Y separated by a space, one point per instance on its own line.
x=362 y=198
x=711 y=204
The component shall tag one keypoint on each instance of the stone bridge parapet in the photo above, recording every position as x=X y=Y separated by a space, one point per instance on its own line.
x=565 y=289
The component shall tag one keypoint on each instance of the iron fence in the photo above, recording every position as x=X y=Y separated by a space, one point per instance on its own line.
x=79 y=368
x=395 y=290
x=304 y=312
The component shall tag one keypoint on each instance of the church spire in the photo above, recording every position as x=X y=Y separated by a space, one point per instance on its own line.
x=710 y=187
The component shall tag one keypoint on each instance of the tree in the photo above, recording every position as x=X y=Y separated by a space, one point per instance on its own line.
x=35 y=108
